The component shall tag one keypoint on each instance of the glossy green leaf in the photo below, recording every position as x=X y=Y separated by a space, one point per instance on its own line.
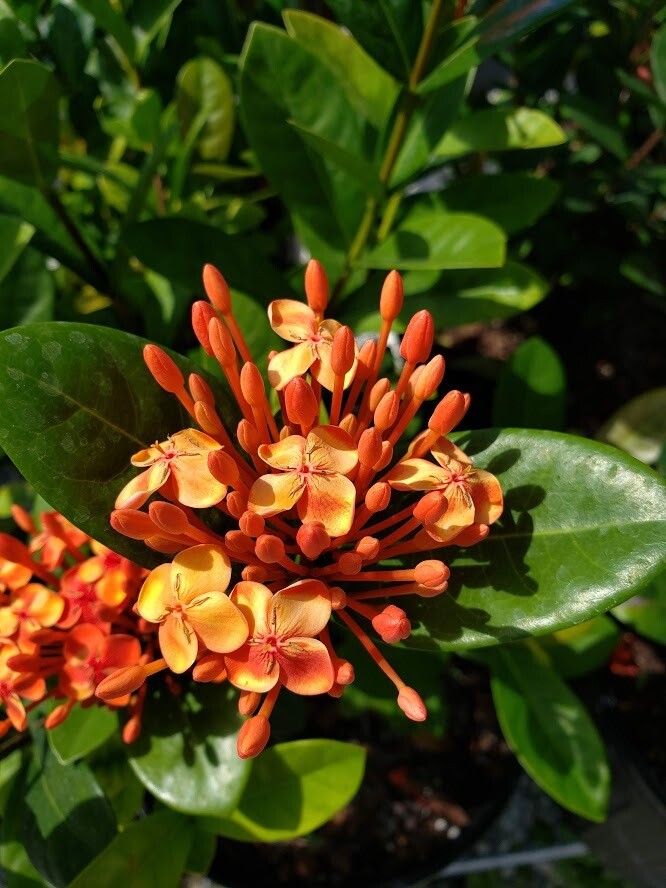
x=28 y=122
x=582 y=530
x=117 y=780
x=511 y=200
x=430 y=239
x=282 y=80
x=498 y=129
x=151 y=22
x=113 y=22
x=82 y=732
x=597 y=122
x=369 y=89
x=658 y=62
x=12 y=44
x=550 y=731
x=294 y=788
x=531 y=389
x=10 y=767
x=646 y=612
x=67 y=819
x=507 y=20
x=582 y=648
x=27 y=294
x=14 y=237
x=149 y=853
x=15 y=866
x=202 y=851
x=639 y=426
x=455 y=54
x=205 y=99
x=79 y=402
x=186 y=755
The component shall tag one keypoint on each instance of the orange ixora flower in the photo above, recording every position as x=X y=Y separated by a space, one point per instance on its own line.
x=282 y=645
x=311 y=474
x=182 y=458
x=473 y=496
x=187 y=598
x=313 y=336
x=90 y=656
x=33 y=607
x=14 y=686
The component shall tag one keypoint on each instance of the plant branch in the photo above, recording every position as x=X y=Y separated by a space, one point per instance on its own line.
x=100 y=274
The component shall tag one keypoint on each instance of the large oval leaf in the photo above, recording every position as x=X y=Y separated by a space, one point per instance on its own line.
x=83 y=731
x=294 y=788
x=186 y=755
x=78 y=401
x=582 y=530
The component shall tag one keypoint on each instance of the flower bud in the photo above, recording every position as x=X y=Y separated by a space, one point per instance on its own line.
x=132 y=729
x=269 y=548
x=163 y=369
x=133 y=523
x=430 y=379
x=223 y=468
x=379 y=389
x=448 y=413
x=472 y=535
x=312 y=539
x=392 y=624
x=217 y=289
x=366 y=358
x=123 y=681
x=412 y=704
x=431 y=507
x=316 y=287
x=236 y=503
x=338 y=598
x=248 y=702
x=207 y=418
x=169 y=518
x=248 y=436
x=252 y=385
x=221 y=343
x=369 y=448
x=418 y=338
x=254 y=573
x=378 y=497
x=343 y=352
x=202 y=312
x=210 y=668
x=350 y=563
x=23 y=519
x=386 y=412
x=348 y=424
x=253 y=736
x=300 y=402
x=385 y=458
x=431 y=573
x=251 y=524
x=391 y=299
x=367 y=548
x=336 y=690
x=57 y=716
x=239 y=542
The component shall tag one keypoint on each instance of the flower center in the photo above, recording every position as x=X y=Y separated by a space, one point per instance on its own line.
x=112 y=560
x=5 y=689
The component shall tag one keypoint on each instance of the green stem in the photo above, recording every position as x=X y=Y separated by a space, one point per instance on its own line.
x=99 y=272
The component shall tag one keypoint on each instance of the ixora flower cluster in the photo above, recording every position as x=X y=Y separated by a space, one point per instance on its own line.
x=320 y=500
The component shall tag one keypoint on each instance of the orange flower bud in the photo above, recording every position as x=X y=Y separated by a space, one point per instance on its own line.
x=385 y=458
x=367 y=548
x=448 y=413
x=430 y=507
x=300 y=402
x=163 y=369
x=369 y=448
x=237 y=541
x=269 y=548
x=379 y=389
x=412 y=704
x=431 y=573
x=336 y=690
x=254 y=573
x=430 y=379
x=472 y=535
x=312 y=539
x=348 y=424
x=200 y=390
x=253 y=736
x=391 y=299
x=132 y=730
x=236 y=503
x=419 y=335
x=23 y=519
x=248 y=436
x=252 y=385
x=386 y=412
x=316 y=287
x=378 y=497
x=169 y=518
x=221 y=342
x=338 y=598
x=350 y=563
x=57 y=716
x=123 y=681
x=413 y=381
x=207 y=417
x=251 y=524
x=392 y=624
x=344 y=673
x=343 y=352
x=217 y=289
x=202 y=312
x=133 y=523
x=223 y=468
x=248 y=701
x=210 y=668
x=366 y=357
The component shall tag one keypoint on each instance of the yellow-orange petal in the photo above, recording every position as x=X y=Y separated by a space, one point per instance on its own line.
x=418 y=474
x=286 y=455
x=12 y=575
x=47 y=607
x=193 y=483
x=329 y=499
x=147 y=457
x=16 y=712
x=9 y=622
x=178 y=643
x=487 y=496
x=305 y=666
x=444 y=450
x=292 y=320
x=189 y=440
x=303 y=608
x=253 y=600
x=139 y=489
x=218 y=622
x=111 y=588
x=251 y=668
x=199 y=571
x=122 y=650
x=331 y=449
x=459 y=514
x=155 y=594
x=272 y=494
x=287 y=365
x=323 y=371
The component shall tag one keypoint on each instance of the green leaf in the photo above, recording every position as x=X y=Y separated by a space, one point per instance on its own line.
x=117 y=780
x=29 y=128
x=149 y=853
x=67 y=819
x=531 y=389
x=597 y=122
x=79 y=402
x=205 y=99
x=151 y=19
x=550 y=731
x=509 y=19
x=582 y=648
x=14 y=237
x=497 y=129
x=27 y=294
x=369 y=89
x=582 y=530
x=294 y=788
x=16 y=868
x=10 y=766
x=658 y=62
x=12 y=44
x=281 y=80
x=639 y=426
x=456 y=53
x=511 y=200
x=646 y=612
x=186 y=755
x=202 y=851
x=110 y=19
x=82 y=732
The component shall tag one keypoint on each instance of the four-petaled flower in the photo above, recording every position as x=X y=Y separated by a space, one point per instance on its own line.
x=182 y=459
x=473 y=495
x=90 y=656
x=187 y=598
x=311 y=475
x=33 y=607
x=297 y=323
x=14 y=685
x=282 y=645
